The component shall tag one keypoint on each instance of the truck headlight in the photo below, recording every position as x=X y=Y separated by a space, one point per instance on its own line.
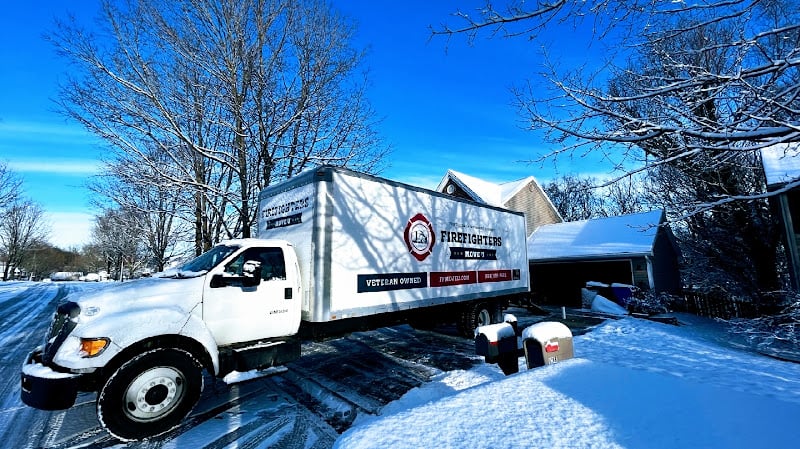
x=92 y=347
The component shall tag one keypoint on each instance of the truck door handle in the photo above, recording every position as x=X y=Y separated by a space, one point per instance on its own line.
x=287 y=293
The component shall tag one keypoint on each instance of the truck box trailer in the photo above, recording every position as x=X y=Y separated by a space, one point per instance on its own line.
x=368 y=246
x=337 y=251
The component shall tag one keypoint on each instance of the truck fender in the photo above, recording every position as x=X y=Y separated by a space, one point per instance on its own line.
x=150 y=324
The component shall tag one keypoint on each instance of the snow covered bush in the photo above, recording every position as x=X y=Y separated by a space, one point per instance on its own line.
x=775 y=333
x=650 y=302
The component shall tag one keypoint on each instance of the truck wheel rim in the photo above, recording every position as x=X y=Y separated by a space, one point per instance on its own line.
x=154 y=393
x=484 y=317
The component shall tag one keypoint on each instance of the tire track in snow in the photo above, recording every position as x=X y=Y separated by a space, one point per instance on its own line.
x=24 y=318
x=24 y=314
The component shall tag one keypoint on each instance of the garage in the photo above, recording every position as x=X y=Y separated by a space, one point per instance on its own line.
x=634 y=249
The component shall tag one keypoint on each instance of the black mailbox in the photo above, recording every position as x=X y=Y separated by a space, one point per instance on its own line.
x=497 y=343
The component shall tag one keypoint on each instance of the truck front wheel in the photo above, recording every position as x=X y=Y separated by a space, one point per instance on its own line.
x=150 y=394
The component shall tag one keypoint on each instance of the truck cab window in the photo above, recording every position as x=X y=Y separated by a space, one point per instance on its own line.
x=209 y=259
x=273 y=266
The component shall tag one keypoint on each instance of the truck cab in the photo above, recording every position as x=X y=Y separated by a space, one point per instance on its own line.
x=142 y=345
x=253 y=295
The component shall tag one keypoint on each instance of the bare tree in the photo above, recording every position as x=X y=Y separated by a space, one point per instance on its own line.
x=22 y=226
x=737 y=240
x=704 y=80
x=575 y=198
x=627 y=196
x=10 y=186
x=221 y=98
x=580 y=198
x=690 y=93
x=115 y=235
x=159 y=209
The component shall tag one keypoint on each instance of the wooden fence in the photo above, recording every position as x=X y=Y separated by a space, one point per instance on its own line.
x=715 y=305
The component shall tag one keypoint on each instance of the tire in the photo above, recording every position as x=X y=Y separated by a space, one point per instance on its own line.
x=150 y=394
x=474 y=315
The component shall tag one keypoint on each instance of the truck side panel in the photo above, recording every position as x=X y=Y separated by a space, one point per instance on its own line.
x=380 y=246
x=398 y=248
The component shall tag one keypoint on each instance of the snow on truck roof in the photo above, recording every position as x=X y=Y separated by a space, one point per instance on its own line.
x=632 y=234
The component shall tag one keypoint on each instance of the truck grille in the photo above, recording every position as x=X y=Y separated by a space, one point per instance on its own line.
x=63 y=323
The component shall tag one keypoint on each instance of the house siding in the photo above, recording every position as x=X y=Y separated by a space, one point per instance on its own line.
x=666 y=271
x=538 y=209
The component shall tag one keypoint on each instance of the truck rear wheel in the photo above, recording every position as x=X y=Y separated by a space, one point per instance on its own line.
x=476 y=314
x=150 y=394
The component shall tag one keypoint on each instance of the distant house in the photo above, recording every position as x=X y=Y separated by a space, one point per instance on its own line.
x=524 y=195
x=635 y=249
x=782 y=171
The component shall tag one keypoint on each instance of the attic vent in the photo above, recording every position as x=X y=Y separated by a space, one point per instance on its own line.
x=450 y=189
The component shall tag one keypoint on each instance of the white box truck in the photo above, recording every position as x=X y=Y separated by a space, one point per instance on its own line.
x=337 y=251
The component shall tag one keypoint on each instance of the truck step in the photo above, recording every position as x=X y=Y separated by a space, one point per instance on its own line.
x=266 y=354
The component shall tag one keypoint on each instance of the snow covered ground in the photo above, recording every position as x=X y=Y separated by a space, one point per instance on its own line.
x=632 y=384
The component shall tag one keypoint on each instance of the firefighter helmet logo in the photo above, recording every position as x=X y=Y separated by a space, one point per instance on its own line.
x=419 y=237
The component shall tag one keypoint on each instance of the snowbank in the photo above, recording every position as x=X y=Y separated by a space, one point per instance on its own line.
x=605 y=305
x=635 y=384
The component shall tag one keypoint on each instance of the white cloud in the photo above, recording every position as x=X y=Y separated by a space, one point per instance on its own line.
x=43 y=131
x=62 y=167
x=70 y=229
x=49 y=147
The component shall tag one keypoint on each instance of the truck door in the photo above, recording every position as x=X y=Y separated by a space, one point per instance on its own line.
x=238 y=313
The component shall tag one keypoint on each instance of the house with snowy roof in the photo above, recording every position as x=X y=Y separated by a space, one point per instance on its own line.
x=524 y=195
x=782 y=172
x=634 y=249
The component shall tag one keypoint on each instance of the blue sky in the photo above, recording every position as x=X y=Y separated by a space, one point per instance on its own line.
x=445 y=104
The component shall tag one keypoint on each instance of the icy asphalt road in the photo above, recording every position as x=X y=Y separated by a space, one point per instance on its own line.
x=306 y=406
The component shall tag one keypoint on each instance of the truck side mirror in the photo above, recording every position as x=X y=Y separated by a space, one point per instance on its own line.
x=218 y=281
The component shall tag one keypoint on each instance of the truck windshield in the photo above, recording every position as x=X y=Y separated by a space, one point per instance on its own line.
x=208 y=260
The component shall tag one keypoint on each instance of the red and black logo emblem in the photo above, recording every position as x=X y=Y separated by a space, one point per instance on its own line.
x=419 y=237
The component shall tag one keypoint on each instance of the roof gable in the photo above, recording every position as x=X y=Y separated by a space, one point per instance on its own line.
x=632 y=234
x=484 y=191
